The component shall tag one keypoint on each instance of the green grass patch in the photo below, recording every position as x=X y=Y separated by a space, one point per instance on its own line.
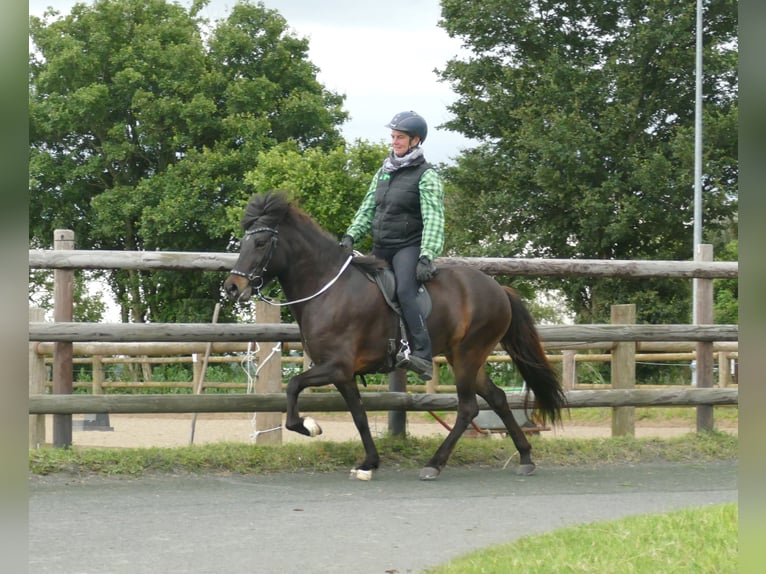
x=659 y=415
x=691 y=540
x=728 y=415
x=405 y=453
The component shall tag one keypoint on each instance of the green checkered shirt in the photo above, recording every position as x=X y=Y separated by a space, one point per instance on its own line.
x=431 y=209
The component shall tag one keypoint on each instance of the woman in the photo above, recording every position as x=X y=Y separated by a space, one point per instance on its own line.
x=404 y=208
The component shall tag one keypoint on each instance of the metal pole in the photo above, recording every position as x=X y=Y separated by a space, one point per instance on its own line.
x=697 y=153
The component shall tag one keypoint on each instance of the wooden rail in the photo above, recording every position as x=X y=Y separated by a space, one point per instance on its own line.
x=204 y=332
x=200 y=261
x=332 y=401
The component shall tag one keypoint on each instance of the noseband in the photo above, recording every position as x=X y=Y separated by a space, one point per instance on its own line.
x=255 y=278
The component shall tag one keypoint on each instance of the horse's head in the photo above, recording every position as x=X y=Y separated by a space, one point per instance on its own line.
x=252 y=269
x=256 y=265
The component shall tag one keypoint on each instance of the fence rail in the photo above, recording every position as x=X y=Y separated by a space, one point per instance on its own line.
x=200 y=261
x=384 y=401
x=205 y=332
x=188 y=348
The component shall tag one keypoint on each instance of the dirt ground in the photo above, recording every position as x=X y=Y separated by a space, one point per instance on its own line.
x=173 y=430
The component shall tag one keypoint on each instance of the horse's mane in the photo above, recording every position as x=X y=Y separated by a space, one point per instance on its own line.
x=273 y=207
x=267 y=209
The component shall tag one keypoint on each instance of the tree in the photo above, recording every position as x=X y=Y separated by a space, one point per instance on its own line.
x=726 y=291
x=586 y=108
x=142 y=128
x=87 y=307
x=328 y=185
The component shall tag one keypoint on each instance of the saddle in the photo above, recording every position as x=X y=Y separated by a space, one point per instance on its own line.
x=386 y=282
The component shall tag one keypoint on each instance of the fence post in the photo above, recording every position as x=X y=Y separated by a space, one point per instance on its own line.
x=397 y=420
x=724 y=376
x=37 y=377
x=704 y=316
x=268 y=426
x=624 y=371
x=97 y=421
x=568 y=370
x=63 y=307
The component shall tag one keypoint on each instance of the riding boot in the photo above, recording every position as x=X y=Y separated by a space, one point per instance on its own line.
x=420 y=360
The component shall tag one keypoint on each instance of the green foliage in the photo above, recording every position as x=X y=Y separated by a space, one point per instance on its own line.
x=725 y=291
x=142 y=128
x=586 y=111
x=412 y=452
x=173 y=373
x=329 y=185
x=87 y=307
x=688 y=540
x=83 y=374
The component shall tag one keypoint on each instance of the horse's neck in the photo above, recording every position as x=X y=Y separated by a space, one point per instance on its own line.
x=309 y=273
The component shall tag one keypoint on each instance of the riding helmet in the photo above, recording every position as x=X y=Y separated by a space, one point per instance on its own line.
x=410 y=123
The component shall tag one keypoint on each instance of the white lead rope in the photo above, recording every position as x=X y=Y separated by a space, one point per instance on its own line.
x=317 y=294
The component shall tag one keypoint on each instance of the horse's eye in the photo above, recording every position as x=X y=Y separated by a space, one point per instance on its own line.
x=259 y=239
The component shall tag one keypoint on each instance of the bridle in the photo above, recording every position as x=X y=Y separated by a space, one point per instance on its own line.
x=263 y=264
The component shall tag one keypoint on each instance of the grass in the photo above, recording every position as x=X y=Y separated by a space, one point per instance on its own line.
x=692 y=540
x=412 y=452
x=724 y=416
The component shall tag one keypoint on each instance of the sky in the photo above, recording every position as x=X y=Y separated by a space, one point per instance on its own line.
x=380 y=55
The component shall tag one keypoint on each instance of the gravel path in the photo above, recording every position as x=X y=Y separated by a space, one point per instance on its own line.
x=175 y=430
x=304 y=522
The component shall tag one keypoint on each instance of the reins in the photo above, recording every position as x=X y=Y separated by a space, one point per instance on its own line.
x=266 y=259
x=332 y=281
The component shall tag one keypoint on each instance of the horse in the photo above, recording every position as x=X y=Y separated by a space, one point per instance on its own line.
x=346 y=326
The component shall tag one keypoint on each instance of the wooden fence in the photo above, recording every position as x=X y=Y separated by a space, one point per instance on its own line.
x=621 y=338
x=99 y=357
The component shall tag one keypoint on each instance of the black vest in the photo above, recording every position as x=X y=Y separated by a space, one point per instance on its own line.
x=398 y=221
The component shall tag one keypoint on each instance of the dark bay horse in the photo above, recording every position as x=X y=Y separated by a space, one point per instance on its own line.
x=346 y=325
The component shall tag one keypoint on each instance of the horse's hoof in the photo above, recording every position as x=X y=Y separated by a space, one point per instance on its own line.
x=312 y=426
x=526 y=469
x=429 y=473
x=359 y=474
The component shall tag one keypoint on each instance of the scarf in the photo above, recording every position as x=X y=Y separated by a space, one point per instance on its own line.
x=393 y=163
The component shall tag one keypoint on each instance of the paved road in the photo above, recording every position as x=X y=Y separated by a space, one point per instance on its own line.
x=324 y=523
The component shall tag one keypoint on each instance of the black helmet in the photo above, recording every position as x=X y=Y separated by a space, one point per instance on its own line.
x=410 y=123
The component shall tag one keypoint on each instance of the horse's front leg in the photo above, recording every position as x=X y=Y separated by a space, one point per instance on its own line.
x=316 y=376
x=350 y=392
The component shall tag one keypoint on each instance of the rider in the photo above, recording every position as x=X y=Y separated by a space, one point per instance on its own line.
x=404 y=207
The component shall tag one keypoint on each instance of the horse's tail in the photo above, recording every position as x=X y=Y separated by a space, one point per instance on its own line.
x=522 y=342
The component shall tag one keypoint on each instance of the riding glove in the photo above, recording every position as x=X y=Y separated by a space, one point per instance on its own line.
x=425 y=270
x=347 y=243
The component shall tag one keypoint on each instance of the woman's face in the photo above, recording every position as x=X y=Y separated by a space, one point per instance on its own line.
x=401 y=142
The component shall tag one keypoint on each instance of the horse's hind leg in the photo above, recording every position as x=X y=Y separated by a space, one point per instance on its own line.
x=496 y=398
x=350 y=392
x=467 y=409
